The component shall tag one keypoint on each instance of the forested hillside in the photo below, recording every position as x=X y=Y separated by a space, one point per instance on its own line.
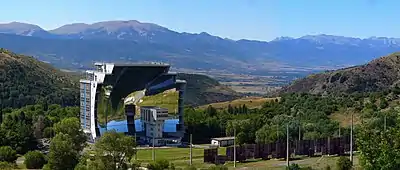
x=201 y=89
x=378 y=75
x=25 y=80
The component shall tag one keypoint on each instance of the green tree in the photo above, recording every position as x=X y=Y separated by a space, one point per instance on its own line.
x=71 y=126
x=211 y=111
x=62 y=154
x=230 y=109
x=7 y=154
x=379 y=149
x=34 y=160
x=115 y=148
x=18 y=132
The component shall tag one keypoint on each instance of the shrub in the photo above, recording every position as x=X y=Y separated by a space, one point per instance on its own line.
x=34 y=160
x=7 y=166
x=135 y=165
x=293 y=167
x=218 y=167
x=7 y=154
x=190 y=168
x=328 y=167
x=158 y=165
x=343 y=163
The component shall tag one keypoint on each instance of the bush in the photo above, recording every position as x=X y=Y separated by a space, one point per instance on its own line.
x=293 y=167
x=34 y=160
x=190 y=168
x=328 y=167
x=343 y=163
x=135 y=164
x=7 y=154
x=218 y=167
x=46 y=167
x=158 y=165
x=7 y=166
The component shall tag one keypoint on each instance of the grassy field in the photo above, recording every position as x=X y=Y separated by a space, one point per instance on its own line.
x=167 y=99
x=180 y=158
x=250 y=102
x=173 y=153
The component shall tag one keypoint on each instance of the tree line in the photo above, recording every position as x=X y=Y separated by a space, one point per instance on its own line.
x=308 y=117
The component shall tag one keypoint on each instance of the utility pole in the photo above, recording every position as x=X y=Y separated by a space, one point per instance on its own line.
x=106 y=112
x=299 y=131
x=351 y=140
x=135 y=146
x=384 y=127
x=234 y=147
x=191 y=153
x=287 y=145
x=154 y=151
x=299 y=126
x=277 y=131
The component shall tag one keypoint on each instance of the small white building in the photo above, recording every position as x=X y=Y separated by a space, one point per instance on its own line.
x=224 y=141
x=153 y=119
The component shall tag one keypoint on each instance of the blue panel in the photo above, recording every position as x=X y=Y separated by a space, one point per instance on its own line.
x=120 y=126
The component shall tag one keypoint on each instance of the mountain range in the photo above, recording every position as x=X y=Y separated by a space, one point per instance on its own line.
x=77 y=45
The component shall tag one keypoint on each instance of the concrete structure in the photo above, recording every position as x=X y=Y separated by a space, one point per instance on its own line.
x=224 y=141
x=117 y=81
x=153 y=124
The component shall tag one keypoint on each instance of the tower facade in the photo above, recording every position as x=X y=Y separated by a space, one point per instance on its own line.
x=90 y=88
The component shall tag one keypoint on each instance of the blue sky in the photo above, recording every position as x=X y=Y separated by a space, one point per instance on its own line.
x=235 y=19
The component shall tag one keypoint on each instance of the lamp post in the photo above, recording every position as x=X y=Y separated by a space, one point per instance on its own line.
x=191 y=152
x=154 y=151
x=287 y=145
x=351 y=140
x=234 y=147
x=1 y=97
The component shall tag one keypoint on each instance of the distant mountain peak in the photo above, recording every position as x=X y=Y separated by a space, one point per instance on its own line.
x=19 y=28
x=70 y=28
x=117 y=29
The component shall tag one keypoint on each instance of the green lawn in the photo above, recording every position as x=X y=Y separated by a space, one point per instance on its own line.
x=173 y=153
x=180 y=158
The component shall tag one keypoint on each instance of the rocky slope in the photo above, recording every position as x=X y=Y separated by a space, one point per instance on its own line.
x=380 y=74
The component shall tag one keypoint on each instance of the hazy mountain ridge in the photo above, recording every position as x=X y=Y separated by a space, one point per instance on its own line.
x=146 y=42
